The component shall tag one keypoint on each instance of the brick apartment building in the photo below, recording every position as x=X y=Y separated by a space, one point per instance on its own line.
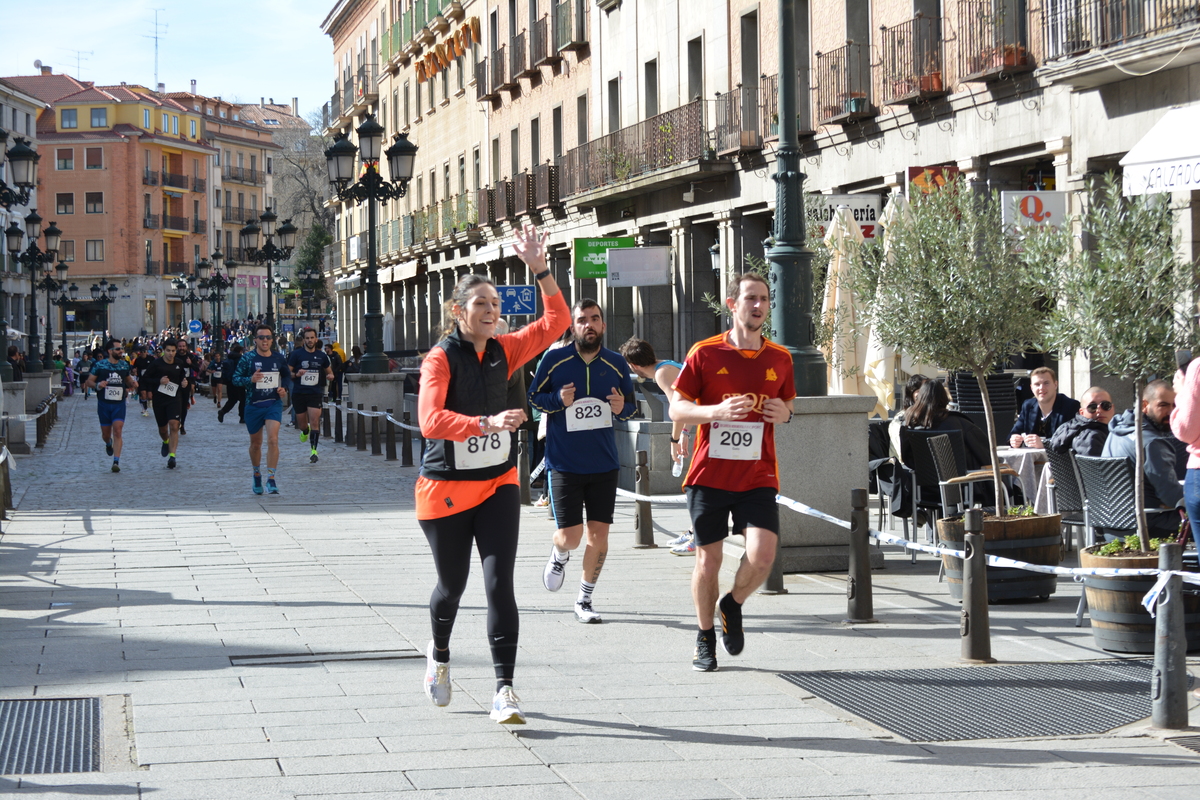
x=658 y=120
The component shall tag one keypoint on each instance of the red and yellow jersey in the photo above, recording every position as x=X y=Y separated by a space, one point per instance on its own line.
x=715 y=370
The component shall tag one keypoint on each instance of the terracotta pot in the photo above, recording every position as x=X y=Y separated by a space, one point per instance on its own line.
x=1034 y=540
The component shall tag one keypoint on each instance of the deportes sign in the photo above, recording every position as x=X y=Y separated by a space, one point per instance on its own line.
x=591 y=255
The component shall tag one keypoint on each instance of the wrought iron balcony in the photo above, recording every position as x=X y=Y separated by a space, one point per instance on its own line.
x=366 y=83
x=843 y=79
x=199 y=184
x=768 y=110
x=570 y=25
x=501 y=78
x=540 y=51
x=659 y=142
x=485 y=206
x=545 y=187
x=239 y=214
x=522 y=191
x=174 y=180
x=1074 y=27
x=990 y=44
x=255 y=177
x=150 y=177
x=912 y=61
x=519 y=64
x=153 y=267
x=199 y=225
x=178 y=268
x=174 y=223
x=335 y=104
x=150 y=221
x=739 y=120
x=484 y=90
x=504 y=200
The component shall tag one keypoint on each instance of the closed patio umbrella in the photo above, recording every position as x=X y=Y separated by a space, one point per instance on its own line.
x=845 y=354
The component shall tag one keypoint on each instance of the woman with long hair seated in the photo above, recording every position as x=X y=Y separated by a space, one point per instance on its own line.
x=930 y=412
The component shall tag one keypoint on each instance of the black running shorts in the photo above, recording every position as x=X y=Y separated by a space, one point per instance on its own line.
x=711 y=508
x=165 y=412
x=571 y=491
x=303 y=402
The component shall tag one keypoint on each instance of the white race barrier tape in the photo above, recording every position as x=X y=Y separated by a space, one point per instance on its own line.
x=537 y=473
x=671 y=499
x=4 y=455
x=400 y=424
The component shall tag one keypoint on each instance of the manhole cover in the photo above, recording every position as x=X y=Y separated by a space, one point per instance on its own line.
x=41 y=736
x=1007 y=701
x=1188 y=742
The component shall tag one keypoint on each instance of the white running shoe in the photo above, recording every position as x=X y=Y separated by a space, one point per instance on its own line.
x=437 y=679
x=680 y=539
x=505 y=709
x=686 y=548
x=585 y=613
x=552 y=576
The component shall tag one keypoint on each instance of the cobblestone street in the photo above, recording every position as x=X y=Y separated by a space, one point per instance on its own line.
x=272 y=647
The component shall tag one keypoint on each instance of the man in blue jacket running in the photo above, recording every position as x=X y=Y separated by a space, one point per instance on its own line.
x=264 y=373
x=582 y=388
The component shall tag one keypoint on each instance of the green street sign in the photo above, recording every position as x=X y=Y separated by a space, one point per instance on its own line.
x=591 y=255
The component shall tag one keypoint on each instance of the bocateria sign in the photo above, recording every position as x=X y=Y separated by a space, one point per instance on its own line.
x=866 y=209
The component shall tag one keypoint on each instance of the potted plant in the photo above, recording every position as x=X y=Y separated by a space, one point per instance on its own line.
x=1118 y=303
x=958 y=290
x=932 y=82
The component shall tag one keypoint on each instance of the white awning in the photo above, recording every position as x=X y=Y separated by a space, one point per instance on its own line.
x=384 y=275
x=495 y=252
x=405 y=270
x=348 y=283
x=1167 y=159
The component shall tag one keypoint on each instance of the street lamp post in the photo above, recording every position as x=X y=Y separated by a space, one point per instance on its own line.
x=370 y=189
x=186 y=286
x=105 y=294
x=33 y=259
x=69 y=297
x=22 y=161
x=790 y=258
x=308 y=279
x=212 y=290
x=269 y=253
x=50 y=285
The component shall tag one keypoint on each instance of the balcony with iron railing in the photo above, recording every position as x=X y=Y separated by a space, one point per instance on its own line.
x=199 y=225
x=485 y=206
x=540 y=51
x=503 y=200
x=150 y=221
x=522 y=191
x=335 y=104
x=348 y=95
x=768 y=110
x=174 y=180
x=520 y=66
x=153 y=267
x=255 y=177
x=150 y=177
x=484 y=89
x=502 y=78
x=178 y=268
x=570 y=25
x=1084 y=39
x=663 y=150
x=239 y=214
x=171 y=222
x=912 y=61
x=992 y=41
x=366 y=84
x=199 y=184
x=333 y=256
x=545 y=187
x=739 y=120
x=843 y=81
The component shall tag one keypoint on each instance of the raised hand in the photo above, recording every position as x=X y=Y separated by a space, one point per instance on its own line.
x=531 y=248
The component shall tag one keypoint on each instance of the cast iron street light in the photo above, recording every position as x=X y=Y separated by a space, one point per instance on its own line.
x=276 y=285
x=269 y=253
x=23 y=160
x=371 y=188
x=212 y=290
x=33 y=259
x=791 y=260
x=186 y=286
x=309 y=280
x=51 y=286
x=105 y=294
x=69 y=297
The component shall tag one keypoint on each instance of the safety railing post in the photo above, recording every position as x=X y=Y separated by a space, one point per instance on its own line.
x=389 y=440
x=376 y=442
x=406 y=442
x=643 y=523
x=1168 y=681
x=860 y=604
x=975 y=628
x=360 y=433
x=523 y=466
x=337 y=424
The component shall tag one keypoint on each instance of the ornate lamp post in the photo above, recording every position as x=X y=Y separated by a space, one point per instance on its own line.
x=791 y=260
x=276 y=285
x=50 y=286
x=269 y=253
x=371 y=188
x=308 y=279
x=69 y=297
x=105 y=294
x=33 y=259
x=23 y=161
x=212 y=290
x=186 y=286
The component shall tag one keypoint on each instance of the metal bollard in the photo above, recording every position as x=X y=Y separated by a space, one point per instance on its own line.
x=337 y=424
x=859 y=601
x=390 y=439
x=349 y=425
x=1168 y=681
x=40 y=427
x=643 y=522
x=325 y=421
x=360 y=434
x=406 y=442
x=975 y=629
x=376 y=444
x=523 y=466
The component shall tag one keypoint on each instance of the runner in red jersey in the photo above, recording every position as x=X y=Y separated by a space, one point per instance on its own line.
x=735 y=388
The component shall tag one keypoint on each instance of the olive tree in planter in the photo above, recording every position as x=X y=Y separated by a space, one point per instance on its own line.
x=958 y=290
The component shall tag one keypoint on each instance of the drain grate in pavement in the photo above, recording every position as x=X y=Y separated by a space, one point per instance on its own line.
x=276 y=659
x=43 y=736
x=1007 y=701
x=1187 y=742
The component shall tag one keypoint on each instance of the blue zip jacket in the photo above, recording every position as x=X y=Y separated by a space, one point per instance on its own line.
x=252 y=362
x=584 y=452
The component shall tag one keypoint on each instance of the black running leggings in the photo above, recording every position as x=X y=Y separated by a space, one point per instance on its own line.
x=237 y=397
x=493 y=526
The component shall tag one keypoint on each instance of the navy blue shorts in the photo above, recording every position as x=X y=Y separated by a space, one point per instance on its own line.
x=257 y=415
x=110 y=412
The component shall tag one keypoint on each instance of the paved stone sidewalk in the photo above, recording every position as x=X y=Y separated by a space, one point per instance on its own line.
x=175 y=594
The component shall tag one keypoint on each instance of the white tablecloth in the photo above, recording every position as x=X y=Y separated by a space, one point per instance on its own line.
x=1030 y=465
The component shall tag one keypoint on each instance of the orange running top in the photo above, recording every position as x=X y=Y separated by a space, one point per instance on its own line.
x=437 y=499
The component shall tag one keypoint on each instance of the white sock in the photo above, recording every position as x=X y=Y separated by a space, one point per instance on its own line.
x=561 y=555
x=585 y=591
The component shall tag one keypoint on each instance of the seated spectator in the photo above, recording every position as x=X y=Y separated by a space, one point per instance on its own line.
x=930 y=412
x=1162 y=489
x=14 y=361
x=1042 y=414
x=911 y=386
x=1086 y=432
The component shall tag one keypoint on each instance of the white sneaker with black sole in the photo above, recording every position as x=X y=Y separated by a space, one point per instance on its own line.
x=585 y=613
x=555 y=572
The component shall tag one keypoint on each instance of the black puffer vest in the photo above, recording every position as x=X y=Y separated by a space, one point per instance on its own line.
x=476 y=389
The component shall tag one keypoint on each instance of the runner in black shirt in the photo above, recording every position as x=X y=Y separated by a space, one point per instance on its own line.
x=310 y=371
x=167 y=379
x=142 y=362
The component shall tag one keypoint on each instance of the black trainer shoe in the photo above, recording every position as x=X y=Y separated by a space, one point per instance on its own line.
x=220 y=416
x=733 y=638
x=705 y=658
x=108 y=448
x=166 y=449
x=171 y=462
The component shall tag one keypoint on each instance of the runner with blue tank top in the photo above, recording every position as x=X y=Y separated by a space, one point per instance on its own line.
x=264 y=373
x=111 y=377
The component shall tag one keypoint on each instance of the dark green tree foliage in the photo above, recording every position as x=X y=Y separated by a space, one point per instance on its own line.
x=310 y=255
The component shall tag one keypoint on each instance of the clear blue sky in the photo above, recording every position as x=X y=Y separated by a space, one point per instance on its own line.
x=241 y=51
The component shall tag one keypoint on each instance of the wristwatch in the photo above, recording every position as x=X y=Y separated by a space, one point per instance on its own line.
x=539 y=275
x=674 y=440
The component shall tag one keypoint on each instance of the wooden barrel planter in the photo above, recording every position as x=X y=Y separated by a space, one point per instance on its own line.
x=1120 y=623
x=1034 y=540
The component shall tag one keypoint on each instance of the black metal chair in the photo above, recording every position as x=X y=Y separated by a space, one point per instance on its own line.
x=951 y=479
x=1067 y=495
x=917 y=458
x=1002 y=391
x=881 y=468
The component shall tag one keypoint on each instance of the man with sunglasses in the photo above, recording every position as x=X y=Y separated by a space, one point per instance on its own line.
x=110 y=378
x=1085 y=433
x=264 y=373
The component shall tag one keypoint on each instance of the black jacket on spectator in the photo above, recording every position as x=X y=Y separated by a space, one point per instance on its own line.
x=975 y=440
x=1027 y=421
x=1082 y=435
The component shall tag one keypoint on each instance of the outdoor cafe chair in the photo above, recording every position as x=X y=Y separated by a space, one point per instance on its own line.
x=1067 y=492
